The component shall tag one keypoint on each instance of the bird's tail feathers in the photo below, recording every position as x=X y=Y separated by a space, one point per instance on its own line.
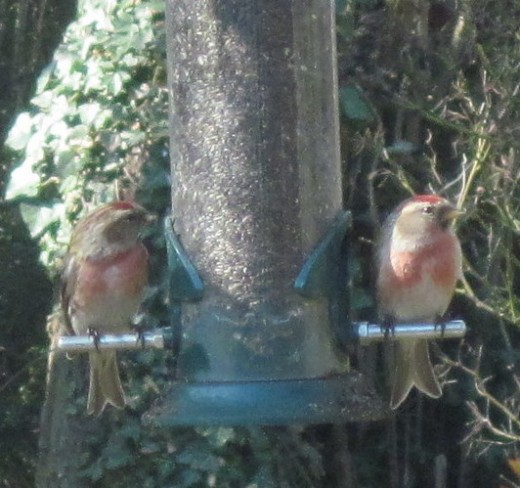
x=105 y=382
x=424 y=375
x=413 y=368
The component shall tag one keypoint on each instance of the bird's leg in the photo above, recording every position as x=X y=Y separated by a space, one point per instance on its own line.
x=440 y=321
x=388 y=325
x=139 y=331
x=96 y=337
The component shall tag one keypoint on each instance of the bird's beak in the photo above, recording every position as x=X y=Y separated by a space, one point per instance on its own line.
x=150 y=218
x=147 y=228
x=451 y=213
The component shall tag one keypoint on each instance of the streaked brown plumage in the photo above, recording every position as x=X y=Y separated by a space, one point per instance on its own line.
x=106 y=270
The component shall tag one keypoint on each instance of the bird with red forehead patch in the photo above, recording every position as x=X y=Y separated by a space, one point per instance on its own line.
x=105 y=273
x=419 y=261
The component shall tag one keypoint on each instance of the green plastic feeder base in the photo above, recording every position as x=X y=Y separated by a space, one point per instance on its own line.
x=335 y=399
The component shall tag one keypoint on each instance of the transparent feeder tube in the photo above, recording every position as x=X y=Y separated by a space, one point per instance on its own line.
x=257 y=182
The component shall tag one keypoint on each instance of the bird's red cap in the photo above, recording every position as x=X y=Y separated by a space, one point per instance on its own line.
x=122 y=205
x=427 y=198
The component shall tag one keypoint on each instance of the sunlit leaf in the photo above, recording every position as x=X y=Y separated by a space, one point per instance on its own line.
x=24 y=182
x=21 y=132
x=38 y=218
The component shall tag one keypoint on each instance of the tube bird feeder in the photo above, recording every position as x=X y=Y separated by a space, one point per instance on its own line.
x=257 y=236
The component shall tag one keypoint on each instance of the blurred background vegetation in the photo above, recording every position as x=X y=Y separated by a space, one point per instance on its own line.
x=429 y=103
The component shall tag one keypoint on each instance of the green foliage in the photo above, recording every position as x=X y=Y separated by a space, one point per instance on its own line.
x=355 y=106
x=99 y=114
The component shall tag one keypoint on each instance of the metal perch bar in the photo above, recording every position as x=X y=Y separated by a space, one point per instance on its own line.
x=369 y=333
x=152 y=339
x=365 y=332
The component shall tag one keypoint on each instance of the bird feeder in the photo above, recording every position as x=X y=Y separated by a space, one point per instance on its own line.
x=258 y=242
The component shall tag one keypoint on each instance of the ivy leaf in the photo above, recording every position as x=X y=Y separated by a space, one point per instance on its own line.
x=24 y=182
x=355 y=105
x=40 y=217
x=21 y=132
x=44 y=100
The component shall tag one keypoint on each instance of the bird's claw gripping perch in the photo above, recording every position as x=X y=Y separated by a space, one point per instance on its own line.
x=388 y=326
x=440 y=322
x=93 y=333
x=140 y=338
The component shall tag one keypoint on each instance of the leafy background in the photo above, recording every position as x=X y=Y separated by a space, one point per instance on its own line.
x=429 y=102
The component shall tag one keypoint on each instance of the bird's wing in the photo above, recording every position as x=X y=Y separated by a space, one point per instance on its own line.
x=68 y=285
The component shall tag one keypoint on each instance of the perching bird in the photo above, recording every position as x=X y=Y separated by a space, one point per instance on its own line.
x=106 y=270
x=419 y=262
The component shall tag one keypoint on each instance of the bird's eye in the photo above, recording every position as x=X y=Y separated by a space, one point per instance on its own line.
x=428 y=210
x=133 y=217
